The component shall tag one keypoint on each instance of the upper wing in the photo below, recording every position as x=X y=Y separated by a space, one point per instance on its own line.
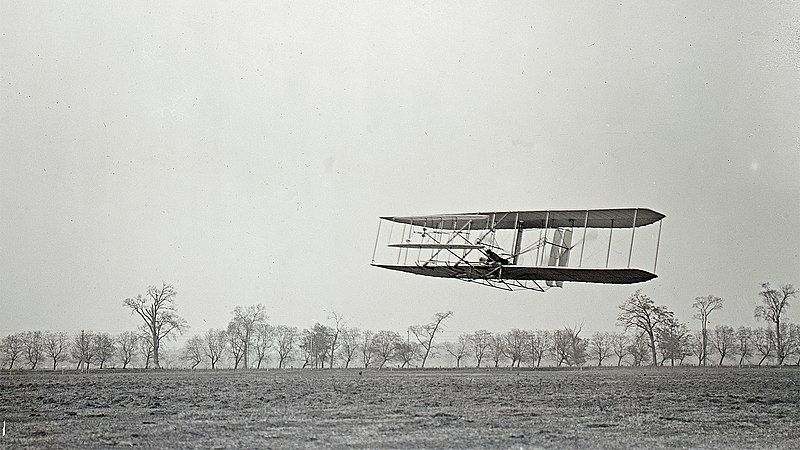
x=590 y=218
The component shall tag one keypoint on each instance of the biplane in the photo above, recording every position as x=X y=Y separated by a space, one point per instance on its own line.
x=515 y=250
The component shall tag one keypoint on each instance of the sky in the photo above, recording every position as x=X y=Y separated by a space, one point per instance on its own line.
x=244 y=151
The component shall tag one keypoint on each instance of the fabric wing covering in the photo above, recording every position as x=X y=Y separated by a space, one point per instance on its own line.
x=597 y=218
x=561 y=274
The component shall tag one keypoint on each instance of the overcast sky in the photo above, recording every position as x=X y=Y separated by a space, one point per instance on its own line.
x=244 y=151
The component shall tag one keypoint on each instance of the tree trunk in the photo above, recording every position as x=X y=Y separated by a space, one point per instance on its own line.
x=155 y=351
x=246 y=351
x=54 y=364
x=779 y=342
x=653 y=347
x=705 y=343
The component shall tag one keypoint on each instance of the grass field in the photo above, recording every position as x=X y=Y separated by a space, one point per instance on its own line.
x=630 y=407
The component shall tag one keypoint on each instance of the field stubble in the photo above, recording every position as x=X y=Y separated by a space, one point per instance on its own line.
x=673 y=407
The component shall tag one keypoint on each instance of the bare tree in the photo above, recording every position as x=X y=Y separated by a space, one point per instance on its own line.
x=620 y=346
x=367 y=347
x=158 y=312
x=723 y=340
x=34 y=347
x=794 y=335
x=516 y=344
x=538 y=342
x=306 y=346
x=458 y=349
x=82 y=350
x=385 y=343
x=193 y=351
x=13 y=346
x=316 y=344
x=426 y=333
x=323 y=338
x=576 y=353
x=55 y=346
x=235 y=344
x=285 y=338
x=264 y=339
x=335 y=332
x=348 y=347
x=791 y=337
x=145 y=347
x=103 y=348
x=696 y=347
x=481 y=340
x=600 y=346
x=639 y=311
x=744 y=347
x=674 y=340
x=774 y=303
x=243 y=326
x=560 y=347
x=127 y=344
x=214 y=345
x=497 y=348
x=407 y=352
x=705 y=306
x=764 y=342
x=638 y=348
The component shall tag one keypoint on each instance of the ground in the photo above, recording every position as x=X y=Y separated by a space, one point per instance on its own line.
x=626 y=407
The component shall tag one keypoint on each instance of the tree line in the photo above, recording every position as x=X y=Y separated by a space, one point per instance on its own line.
x=651 y=335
